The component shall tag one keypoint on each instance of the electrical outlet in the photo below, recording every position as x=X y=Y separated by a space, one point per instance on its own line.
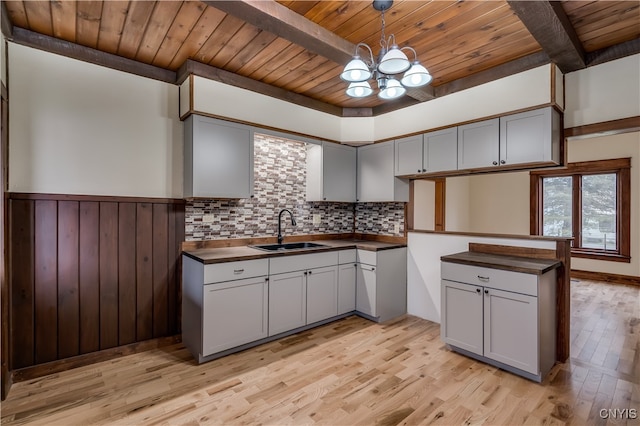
x=316 y=219
x=396 y=228
x=207 y=218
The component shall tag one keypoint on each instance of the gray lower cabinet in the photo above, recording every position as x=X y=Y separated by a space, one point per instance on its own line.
x=322 y=293
x=501 y=317
x=381 y=283
x=287 y=301
x=234 y=313
x=224 y=305
x=347 y=270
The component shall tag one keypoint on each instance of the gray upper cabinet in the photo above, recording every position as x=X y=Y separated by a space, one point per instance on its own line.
x=428 y=153
x=530 y=137
x=218 y=158
x=376 y=174
x=408 y=155
x=478 y=144
x=331 y=172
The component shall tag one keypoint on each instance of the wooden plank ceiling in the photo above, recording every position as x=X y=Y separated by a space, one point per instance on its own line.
x=296 y=49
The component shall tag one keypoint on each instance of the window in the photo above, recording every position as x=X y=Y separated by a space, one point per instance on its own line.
x=589 y=201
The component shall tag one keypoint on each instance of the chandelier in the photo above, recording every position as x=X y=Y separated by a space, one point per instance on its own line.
x=391 y=62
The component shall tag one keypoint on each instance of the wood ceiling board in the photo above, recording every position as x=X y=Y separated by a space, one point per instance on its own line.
x=39 y=16
x=114 y=14
x=63 y=17
x=276 y=62
x=251 y=51
x=189 y=32
x=218 y=39
x=264 y=57
x=234 y=46
x=293 y=65
x=157 y=29
x=17 y=13
x=89 y=14
x=137 y=19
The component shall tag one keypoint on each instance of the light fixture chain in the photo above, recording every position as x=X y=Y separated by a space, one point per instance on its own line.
x=383 y=38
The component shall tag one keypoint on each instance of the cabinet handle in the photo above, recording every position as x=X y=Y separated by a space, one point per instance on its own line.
x=486 y=291
x=266 y=279
x=424 y=170
x=503 y=162
x=305 y=272
x=481 y=278
x=418 y=170
x=373 y=269
x=495 y=163
x=478 y=290
x=310 y=272
x=238 y=271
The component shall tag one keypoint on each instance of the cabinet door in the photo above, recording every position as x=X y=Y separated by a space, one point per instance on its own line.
x=346 y=288
x=375 y=172
x=511 y=329
x=461 y=321
x=218 y=158
x=322 y=293
x=339 y=172
x=287 y=302
x=440 y=150
x=408 y=156
x=234 y=313
x=366 y=290
x=479 y=144
x=526 y=137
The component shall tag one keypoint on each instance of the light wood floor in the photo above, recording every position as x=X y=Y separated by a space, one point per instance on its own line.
x=354 y=372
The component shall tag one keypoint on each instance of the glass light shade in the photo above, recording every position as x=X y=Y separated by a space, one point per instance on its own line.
x=359 y=89
x=393 y=90
x=394 y=62
x=416 y=76
x=356 y=70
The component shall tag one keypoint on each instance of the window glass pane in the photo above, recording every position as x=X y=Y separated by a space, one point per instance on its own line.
x=556 y=206
x=599 y=211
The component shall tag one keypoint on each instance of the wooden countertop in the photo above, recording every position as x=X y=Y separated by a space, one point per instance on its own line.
x=508 y=263
x=231 y=254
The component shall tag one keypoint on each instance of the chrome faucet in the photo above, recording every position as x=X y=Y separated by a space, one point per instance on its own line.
x=293 y=222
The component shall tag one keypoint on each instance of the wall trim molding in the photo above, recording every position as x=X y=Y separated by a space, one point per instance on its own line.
x=605 y=277
x=613 y=127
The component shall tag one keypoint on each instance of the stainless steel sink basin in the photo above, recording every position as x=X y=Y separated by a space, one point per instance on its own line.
x=288 y=246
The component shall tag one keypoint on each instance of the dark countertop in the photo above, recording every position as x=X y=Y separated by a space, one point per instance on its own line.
x=508 y=263
x=231 y=254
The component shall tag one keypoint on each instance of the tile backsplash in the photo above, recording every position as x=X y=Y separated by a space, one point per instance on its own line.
x=280 y=182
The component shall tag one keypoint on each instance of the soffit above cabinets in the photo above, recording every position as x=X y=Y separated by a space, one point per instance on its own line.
x=297 y=48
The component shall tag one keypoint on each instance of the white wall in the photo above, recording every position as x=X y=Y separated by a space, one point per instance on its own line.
x=457 y=214
x=78 y=128
x=604 y=92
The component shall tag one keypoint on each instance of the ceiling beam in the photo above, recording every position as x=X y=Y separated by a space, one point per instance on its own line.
x=550 y=26
x=627 y=48
x=280 y=20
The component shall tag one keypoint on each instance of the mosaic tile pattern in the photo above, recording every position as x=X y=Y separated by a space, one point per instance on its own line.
x=280 y=178
x=379 y=218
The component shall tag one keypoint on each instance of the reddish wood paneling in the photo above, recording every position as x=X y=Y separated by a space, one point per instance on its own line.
x=21 y=273
x=68 y=279
x=46 y=281
x=88 y=275
x=144 y=272
x=89 y=266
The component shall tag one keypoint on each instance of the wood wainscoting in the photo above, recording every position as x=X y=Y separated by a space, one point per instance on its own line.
x=90 y=273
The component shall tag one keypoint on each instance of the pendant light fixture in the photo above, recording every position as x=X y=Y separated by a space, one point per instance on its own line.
x=391 y=62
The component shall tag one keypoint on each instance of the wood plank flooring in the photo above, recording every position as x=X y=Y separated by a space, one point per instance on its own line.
x=355 y=372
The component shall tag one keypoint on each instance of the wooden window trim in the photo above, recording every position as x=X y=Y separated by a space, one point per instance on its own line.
x=620 y=166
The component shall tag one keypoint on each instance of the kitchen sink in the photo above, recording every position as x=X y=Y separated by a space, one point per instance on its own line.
x=288 y=246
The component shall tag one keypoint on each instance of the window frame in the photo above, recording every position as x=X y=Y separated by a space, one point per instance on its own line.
x=622 y=168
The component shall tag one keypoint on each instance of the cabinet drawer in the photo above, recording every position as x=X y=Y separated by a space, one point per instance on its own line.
x=301 y=262
x=517 y=282
x=228 y=271
x=347 y=256
x=367 y=257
